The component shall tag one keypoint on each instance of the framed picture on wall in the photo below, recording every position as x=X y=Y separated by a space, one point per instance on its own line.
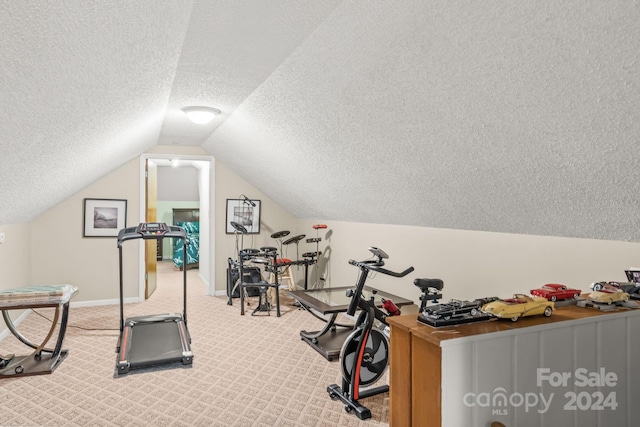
x=104 y=217
x=244 y=214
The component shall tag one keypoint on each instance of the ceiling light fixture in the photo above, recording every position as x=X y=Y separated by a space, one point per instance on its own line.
x=200 y=115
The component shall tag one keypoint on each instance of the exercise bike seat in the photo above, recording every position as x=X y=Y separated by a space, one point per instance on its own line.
x=425 y=284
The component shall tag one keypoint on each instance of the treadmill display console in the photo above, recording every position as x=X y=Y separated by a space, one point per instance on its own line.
x=152 y=228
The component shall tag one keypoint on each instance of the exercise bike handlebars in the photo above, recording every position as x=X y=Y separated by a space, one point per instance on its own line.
x=366 y=266
x=376 y=265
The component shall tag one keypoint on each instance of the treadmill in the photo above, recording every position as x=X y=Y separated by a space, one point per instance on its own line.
x=154 y=339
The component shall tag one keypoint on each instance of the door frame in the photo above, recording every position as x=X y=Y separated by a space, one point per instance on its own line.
x=207 y=238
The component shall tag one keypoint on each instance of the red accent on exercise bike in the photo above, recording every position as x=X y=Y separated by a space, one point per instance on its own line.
x=356 y=373
x=391 y=308
x=317 y=226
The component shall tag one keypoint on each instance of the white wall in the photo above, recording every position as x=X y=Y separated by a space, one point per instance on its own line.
x=207 y=191
x=177 y=183
x=15 y=262
x=60 y=253
x=471 y=263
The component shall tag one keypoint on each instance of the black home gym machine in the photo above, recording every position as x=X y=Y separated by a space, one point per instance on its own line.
x=154 y=339
x=365 y=353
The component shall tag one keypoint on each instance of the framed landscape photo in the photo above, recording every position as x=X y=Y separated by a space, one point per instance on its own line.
x=104 y=217
x=245 y=213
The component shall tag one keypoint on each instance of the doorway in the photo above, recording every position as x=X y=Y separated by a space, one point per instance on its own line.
x=202 y=185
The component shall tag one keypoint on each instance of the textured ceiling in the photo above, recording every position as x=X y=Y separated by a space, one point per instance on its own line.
x=518 y=117
x=83 y=89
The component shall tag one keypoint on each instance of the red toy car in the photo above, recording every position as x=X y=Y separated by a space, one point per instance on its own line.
x=554 y=291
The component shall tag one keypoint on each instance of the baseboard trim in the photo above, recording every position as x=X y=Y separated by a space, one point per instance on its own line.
x=99 y=302
x=6 y=332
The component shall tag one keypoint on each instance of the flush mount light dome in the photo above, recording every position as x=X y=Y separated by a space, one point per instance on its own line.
x=200 y=115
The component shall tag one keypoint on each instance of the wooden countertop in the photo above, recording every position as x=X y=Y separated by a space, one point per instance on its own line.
x=441 y=334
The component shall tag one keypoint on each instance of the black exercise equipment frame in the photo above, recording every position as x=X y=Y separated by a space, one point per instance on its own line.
x=156 y=231
x=350 y=392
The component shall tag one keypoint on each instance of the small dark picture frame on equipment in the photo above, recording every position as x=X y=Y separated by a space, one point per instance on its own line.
x=104 y=217
x=245 y=212
x=633 y=275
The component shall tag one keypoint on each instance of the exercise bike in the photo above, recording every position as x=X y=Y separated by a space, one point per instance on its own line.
x=365 y=353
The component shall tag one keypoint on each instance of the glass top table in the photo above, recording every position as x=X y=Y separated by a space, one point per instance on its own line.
x=332 y=301
x=335 y=300
x=42 y=360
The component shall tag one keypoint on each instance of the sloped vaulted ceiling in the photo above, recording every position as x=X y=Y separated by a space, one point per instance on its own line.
x=519 y=117
x=516 y=117
x=83 y=89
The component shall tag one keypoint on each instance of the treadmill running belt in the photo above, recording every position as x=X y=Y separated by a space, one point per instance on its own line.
x=155 y=343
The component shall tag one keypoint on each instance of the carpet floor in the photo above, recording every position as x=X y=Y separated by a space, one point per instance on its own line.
x=247 y=370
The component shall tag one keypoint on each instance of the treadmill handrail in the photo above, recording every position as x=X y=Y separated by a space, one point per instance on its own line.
x=130 y=233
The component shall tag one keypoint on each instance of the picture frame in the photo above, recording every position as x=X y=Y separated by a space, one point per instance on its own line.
x=242 y=211
x=104 y=217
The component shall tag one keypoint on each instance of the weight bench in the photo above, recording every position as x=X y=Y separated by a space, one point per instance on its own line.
x=42 y=360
